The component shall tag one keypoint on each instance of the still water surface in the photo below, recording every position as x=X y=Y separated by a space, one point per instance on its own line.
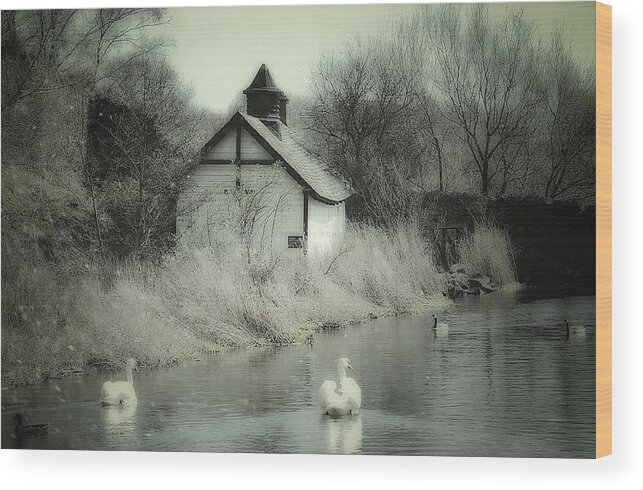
x=503 y=383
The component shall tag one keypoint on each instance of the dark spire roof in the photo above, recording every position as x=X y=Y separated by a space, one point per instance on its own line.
x=263 y=81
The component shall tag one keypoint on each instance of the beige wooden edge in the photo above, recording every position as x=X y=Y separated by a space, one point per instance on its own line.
x=603 y=230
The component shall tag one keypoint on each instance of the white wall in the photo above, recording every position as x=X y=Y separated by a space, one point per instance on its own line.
x=326 y=225
x=211 y=203
x=226 y=148
x=282 y=203
x=200 y=207
x=251 y=149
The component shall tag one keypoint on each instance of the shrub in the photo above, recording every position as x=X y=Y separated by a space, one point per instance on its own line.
x=488 y=251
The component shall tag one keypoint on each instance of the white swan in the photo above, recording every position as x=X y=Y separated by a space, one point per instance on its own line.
x=439 y=329
x=574 y=330
x=120 y=392
x=344 y=399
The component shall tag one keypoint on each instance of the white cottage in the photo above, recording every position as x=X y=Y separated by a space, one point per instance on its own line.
x=253 y=165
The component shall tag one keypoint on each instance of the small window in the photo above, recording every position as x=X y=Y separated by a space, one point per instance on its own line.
x=295 y=242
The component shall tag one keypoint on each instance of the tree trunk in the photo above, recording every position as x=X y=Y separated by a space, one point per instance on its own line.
x=484 y=174
x=439 y=152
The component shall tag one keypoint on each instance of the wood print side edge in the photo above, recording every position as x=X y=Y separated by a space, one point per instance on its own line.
x=603 y=230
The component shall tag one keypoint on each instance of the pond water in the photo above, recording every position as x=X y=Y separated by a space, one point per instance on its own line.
x=504 y=382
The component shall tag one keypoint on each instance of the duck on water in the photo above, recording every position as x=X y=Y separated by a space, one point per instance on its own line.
x=23 y=429
x=574 y=330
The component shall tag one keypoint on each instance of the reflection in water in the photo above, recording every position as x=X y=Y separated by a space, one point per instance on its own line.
x=505 y=382
x=115 y=416
x=119 y=424
x=577 y=338
x=344 y=434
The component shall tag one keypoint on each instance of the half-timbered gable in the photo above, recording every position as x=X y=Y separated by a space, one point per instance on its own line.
x=253 y=170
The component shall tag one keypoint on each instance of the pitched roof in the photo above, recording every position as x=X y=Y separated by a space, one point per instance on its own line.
x=263 y=81
x=315 y=174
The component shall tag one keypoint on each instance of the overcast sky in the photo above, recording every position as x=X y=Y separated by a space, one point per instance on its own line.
x=218 y=50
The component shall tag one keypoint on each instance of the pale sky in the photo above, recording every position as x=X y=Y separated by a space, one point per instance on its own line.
x=218 y=50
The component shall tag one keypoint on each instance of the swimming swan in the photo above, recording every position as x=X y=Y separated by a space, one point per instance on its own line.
x=574 y=330
x=120 y=392
x=439 y=329
x=344 y=399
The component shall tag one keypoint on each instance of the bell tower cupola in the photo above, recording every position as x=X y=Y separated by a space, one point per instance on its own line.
x=264 y=99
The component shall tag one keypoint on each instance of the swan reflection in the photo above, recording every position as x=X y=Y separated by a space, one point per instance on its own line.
x=119 y=426
x=344 y=434
x=119 y=419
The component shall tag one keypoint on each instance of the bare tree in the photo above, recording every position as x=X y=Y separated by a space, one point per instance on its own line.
x=36 y=53
x=362 y=111
x=53 y=62
x=483 y=76
x=568 y=125
x=434 y=129
x=57 y=49
x=144 y=141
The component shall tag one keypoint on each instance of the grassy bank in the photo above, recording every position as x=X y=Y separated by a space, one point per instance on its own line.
x=203 y=301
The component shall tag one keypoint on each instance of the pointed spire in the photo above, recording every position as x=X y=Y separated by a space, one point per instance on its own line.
x=264 y=99
x=263 y=81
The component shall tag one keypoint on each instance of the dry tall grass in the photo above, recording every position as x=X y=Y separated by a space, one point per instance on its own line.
x=487 y=250
x=214 y=299
x=392 y=269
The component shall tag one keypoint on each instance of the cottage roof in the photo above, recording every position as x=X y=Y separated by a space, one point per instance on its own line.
x=309 y=168
x=279 y=140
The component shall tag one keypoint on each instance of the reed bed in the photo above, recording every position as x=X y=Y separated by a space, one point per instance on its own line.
x=209 y=300
x=488 y=251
